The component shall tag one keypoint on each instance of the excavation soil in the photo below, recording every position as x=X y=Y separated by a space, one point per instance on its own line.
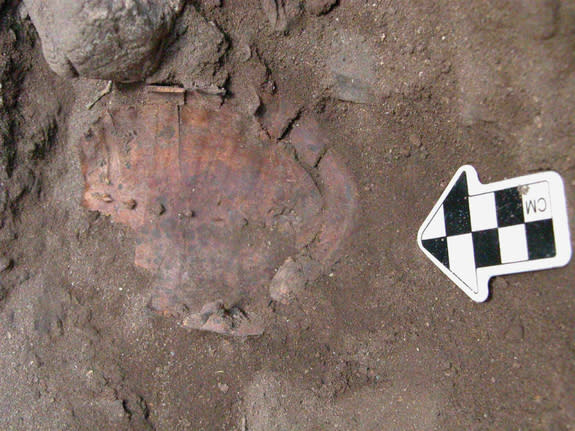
x=408 y=91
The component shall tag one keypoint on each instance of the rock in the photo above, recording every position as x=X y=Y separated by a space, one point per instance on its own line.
x=119 y=41
x=320 y=7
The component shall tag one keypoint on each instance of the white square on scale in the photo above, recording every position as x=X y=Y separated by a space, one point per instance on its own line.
x=462 y=258
x=536 y=201
x=513 y=244
x=436 y=227
x=483 y=212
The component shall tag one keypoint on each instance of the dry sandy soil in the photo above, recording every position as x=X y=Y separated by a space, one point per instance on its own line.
x=408 y=91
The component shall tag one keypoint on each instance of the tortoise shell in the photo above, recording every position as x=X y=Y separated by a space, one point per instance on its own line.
x=225 y=215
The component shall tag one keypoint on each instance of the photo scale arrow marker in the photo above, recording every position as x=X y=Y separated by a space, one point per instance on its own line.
x=476 y=231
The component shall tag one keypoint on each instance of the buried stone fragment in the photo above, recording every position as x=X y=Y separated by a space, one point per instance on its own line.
x=120 y=40
x=225 y=215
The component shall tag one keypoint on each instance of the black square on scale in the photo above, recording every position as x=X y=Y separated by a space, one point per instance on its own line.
x=456 y=208
x=509 y=204
x=486 y=248
x=438 y=248
x=540 y=239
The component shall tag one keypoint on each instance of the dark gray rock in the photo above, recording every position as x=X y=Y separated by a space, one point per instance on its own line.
x=119 y=40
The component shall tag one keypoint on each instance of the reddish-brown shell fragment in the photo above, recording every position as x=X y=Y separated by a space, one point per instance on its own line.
x=217 y=206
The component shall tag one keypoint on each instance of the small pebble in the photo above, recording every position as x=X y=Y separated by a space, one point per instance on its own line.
x=104 y=197
x=538 y=122
x=130 y=204
x=244 y=52
x=5 y=263
x=223 y=388
x=158 y=209
x=405 y=152
x=415 y=140
x=320 y=7
x=515 y=332
x=212 y=4
x=499 y=283
x=187 y=214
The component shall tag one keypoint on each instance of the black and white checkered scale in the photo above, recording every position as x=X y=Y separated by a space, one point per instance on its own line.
x=493 y=228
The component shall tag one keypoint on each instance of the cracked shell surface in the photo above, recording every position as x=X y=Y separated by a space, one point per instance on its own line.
x=217 y=205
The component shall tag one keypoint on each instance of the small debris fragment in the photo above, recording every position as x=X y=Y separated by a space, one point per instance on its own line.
x=288 y=281
x=275 y=13
x=187 y=214
x=101 y=94
x=523 y=190
x=320 y=7
x=446 y=67
x=223 y=388
x=499 y=283
x=158 y=94
x=244 y=52
x=281 y=13
x=538 y=122
x=415 y=141
x=253 y=101
x=515 y=332
x=130 y=204
x=209 y=90
x=6 y=263
x=308 y=141
x=215 y=317
x=280 y=114
x=158 y=209
x=212 y=4
x=104 y=197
